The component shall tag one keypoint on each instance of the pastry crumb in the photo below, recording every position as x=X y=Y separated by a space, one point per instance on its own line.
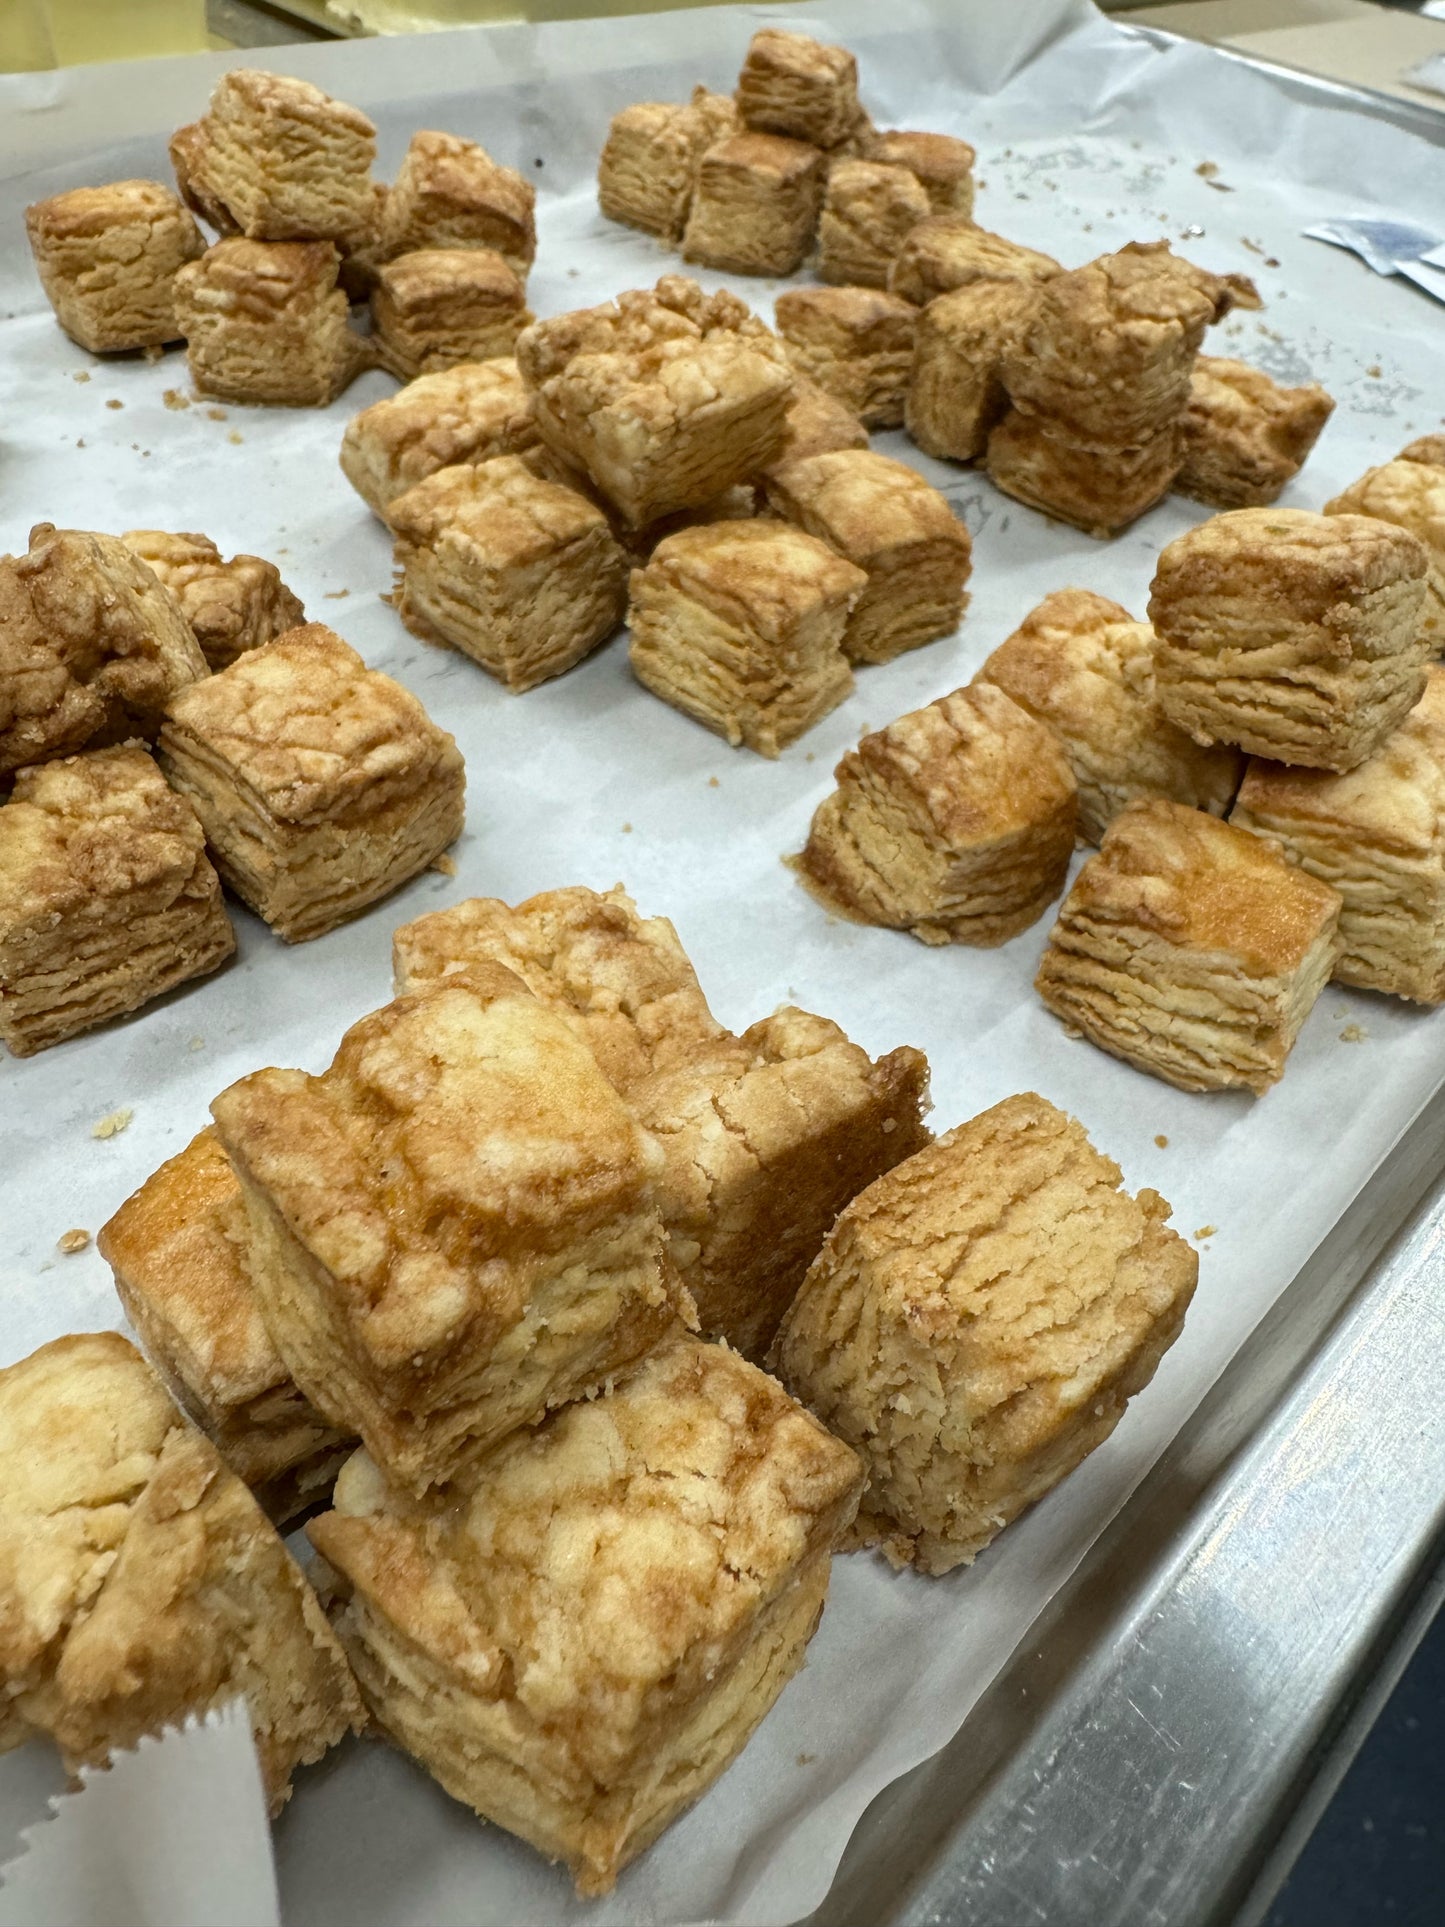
x=1206 y=1231
x=1353 y=1034
x=1374 y=371
x=80 y=441
x=113 y=1123
x=444 y=865
x=335 y=595
x=712 y=782
x=627 y=829
x=236 y=437
x=196 y=1043
x=1162 y=1142
x=115 y=402
x=1207 y=170
x=72 y=1241
x=216 y=414
x=175 y=400
x=152 y=351
x=806 y=1759
x=81 y=374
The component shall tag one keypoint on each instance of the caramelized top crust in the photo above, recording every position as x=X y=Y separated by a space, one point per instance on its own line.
x=764 y=577
x=852 y=321
x=1427 y=448
x=639 y=322
x=770 y=157
x=86 y=213
x=865 y=504
x=249 y=91
x=948 y=251
x=496 y=510
x=258 y=280
x=940 y=161
x=457 y=415
x=792 y=84
x=433 y=280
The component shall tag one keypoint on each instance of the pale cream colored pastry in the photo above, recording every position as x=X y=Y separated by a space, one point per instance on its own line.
x=1429 y=449
x=941 y=163
x=883 y=517
x=817 y=423
x=1081 y=664
x=1411 y=494
x=755 y=205
x=139 y=1580
x=231 y=606
x=440 y=306
x=460 y=415
x=791 y=84
x=740 y=625
x=92 y=646
x=453 y=1227
x=1191 y=949
x=450 y=193
x=107 y=260
x=869 y=209
x=947 y=251
x=264 y=321
x=1296 y=636
x=520 y=573
x=955 y=385
x=322 y=785
x=649 y=163
x=1377 y=836
x=855 y=343
x=176 y=1249
x=106 y=897
x=578 y=1635
x=1100 y=489
x=187 y=147
x=285 y=161
x=978 y=1321
x=1245 y=436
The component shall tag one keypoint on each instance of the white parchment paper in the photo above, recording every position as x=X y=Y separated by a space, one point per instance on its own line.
x=1089 y=136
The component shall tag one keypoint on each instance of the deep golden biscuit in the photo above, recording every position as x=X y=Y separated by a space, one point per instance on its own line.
x=284 y=160
x=855 y=343
x=955 y=385
x=465 y=414
x=1411 y=495
x=322 y=785
x=1245 y=436
x=648 y=168
x=869 y=209
x=977 y=1322
x=1191 y=949
x=1099 y=489
x=791 y=84
x=265 y=321
x=755 y=205
x=941 y=163
x=437 y=307
x=231 y=606
x=947 y=251
x=107 y=260
x=450 y=193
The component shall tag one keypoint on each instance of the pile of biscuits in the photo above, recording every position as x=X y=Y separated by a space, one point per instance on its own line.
x=596 y=1329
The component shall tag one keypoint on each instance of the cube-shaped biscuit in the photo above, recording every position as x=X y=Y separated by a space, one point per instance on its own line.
x=755 y=205
x=791 y=84
x=107 y=260
x=817 y=423
x=1098 y=488
x=450 y=193
x=139 y=1580
x=1296 y=636
x=231 y=606
x=672 y=315
x=106 y=897
x=623 y=982
x=1246 y=436
x=855 y=343
x=1412 y=496
x=884 y=518
x=1377 y=835
x=947 y=251
x=740 y=625
x=520 y=573
x=285 y=161
x=322 y=785
x=465 y=414
x=869 y=209
x=977 y=1322
x=649 y=162
x=665 y=1547
x=955 y=386
x=92 y=646
x=453 y=1227
x=265 y=321
x=942 y=164
x=176 y=1248
x=1081 y=664
x=765 y=1137
x=440 y=306
x=1191 y=949
x=955 y=823
x=187 y=147
x=1429 y=449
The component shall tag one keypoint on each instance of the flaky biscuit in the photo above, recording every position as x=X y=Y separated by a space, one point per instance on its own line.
x=1245 y=436
x=868 y=211
x=438 y=307
x=231 y=606
x=792 y=84
x=465 y=414
x=265 y=321
x=284 y=160
x=955 y=385
x=940 y=162
x=107 y=260
x=755 y=205
x=1099 y=489
x=1411 y=494
x=649 y=162
x=855 y=343
x=450 y=193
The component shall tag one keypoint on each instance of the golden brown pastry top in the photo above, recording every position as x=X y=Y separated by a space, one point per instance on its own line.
x=763 y=576
x=436 y=279
x=948 y=251
x=636 y=322
x=793 y=84
x=450 y=189
x=771 y=158
x=1233 y=395
x=1426 y=448
x=850 y=321
x=939 y=161
x=86 y=213
x=1067 y=640
x=865 y=504
x=818 y=422
x=255 y=281
x=499 y=511
x=437 y=421
x=231 y=606
x=1410 y=494
x=247 y=91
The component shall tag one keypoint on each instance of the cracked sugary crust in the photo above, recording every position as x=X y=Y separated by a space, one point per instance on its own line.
x=942 y=164
x=855 y=343
x=791 y=84
x=265 y=321
x=1377 y=835
x=92 y=646
x=437 y=307
x=883 y=517
x=322 y=784
x=1245 y=436
x=623 y=982
x=947 y=251
x=466 y=414
x=869 y=209
x=977 y=1322
x=1081 y=664
x=107 y=259
x=1191 y=949
x=231 y=606
x=648 y=168
x=755 y=205
x=1100 y=490
x=450 y=193
x=578 y=1636
x=955 y=385
x=1411 y=494
x=285 y=161
x=106 y=896
x=1296 y=636
x=139 y=1581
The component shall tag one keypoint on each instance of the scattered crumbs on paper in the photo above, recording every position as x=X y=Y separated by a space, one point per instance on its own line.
x=806 y=1759
x=1088 y=227
x=1374 y=371
x=1220 y=187
x=810 y=757
x=152 y=352
x=572 y=274
x=1207 y=170
x=1162 y=1142
x=235 y=437
x=336 y=595
x=216 y=414
x=174 y=399
x=1353 y=1034
x=115 y=402
x=196 y=1043
x=1206 y=1231
x=1253 y=246
x=72 y=1241
x=81 y=374
x=80 y=441
x=444 y=865
x=114 y=1123
x=1270 y=261
x=144 y=452
x=712 y=783
x=627 y=829
x=135 y=448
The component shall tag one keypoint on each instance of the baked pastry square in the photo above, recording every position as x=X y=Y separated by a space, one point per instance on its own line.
x=792 y=84
x=947 y=251
x=285 y=161
x=740 y=625
x=955 y=385
x=453 y=1227
x=520 y=573
x=622 y=981
x=1191 y=949
x=1377 y=835
x=1098 y=488
x=92 y=647
x=176 y=1248
x=942 y=164
x=1296 y=636
x=578 y=1635
x=1245 y=436
x=955 y=823
x=817 y=424
x=231 y=606
x=755 y=205
x=649 y=161
x=855 y=343
x=139 y=1580
x=1411 y=495
x=869 y=209
x=1081 y=664
x=977 y=1322
x=437 y=307
x=265 y=321
x=106 y=897
x=450 y=193
x=884 y=518
x=321 y=785
x=765 y=1137
x=465 y=414
x=107 y=259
